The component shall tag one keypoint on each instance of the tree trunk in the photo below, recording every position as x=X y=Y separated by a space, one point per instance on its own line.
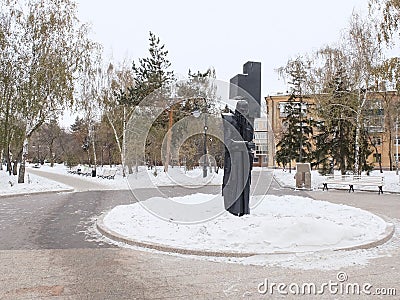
x=51 y=154
x=109 y=156
x=130 y=170
x=390 y=151
x=102 y=153
x=121 y=148
x=21 y=175
x=169 y=138
x=1 y=160
x=94 y=147
x=24 y=153
x=88 y=154
x=15 y=168
x=8 y=159
x=123 y=152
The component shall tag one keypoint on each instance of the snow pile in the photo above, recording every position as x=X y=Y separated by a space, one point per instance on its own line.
x=33 y=184
x=276 y=225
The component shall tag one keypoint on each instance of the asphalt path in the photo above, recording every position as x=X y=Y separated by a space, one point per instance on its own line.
x=60 y=220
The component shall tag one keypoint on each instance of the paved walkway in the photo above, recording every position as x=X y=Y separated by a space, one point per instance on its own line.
x=118 y=273
x=79 y=184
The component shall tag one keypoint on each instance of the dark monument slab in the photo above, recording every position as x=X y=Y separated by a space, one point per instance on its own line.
x=238 y=138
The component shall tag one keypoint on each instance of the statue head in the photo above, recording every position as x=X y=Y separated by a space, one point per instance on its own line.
x=242 y=106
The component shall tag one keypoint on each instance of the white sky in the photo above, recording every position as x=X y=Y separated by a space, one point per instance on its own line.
x=219 y=33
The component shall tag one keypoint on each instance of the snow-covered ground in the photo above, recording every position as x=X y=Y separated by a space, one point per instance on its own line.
x=175 y=176
x=146 y=178
x=276 y=224
x=33 y=184
x=391 y=180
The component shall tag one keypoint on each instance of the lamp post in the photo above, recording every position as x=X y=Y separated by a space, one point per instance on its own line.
x=205 y=147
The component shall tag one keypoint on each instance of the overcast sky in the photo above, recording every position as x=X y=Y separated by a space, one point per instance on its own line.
x=220 y=33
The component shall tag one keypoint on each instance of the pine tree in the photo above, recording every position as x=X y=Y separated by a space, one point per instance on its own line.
x=150 y=74
x=152 y=78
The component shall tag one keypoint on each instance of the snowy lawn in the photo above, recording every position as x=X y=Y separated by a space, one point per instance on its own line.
x=391 y=180
x=277 y=224
x=33 y=184
x=175 y=176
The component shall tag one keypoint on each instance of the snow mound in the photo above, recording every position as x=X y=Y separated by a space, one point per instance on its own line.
x=285 y=224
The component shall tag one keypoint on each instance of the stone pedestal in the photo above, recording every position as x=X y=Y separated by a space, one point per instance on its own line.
x=303 y=175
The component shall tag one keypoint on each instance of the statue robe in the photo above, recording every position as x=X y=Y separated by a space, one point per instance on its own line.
x=238 y=132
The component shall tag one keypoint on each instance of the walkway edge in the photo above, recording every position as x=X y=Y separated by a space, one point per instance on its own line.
x=38 y=193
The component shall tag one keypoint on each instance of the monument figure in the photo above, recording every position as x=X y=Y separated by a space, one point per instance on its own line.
x=238 y=136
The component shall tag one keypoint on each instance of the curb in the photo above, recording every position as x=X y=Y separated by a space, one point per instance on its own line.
x=37 y=193
x=389 y=232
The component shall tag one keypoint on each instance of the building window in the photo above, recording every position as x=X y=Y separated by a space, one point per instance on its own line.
x=377 y=157
x=375 y=116
x=396 y=142
x=261 y=135
x=261 y=149
x=285 y=108
x=260 y=125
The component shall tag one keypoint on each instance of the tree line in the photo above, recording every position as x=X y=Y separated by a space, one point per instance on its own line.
x=48 y=65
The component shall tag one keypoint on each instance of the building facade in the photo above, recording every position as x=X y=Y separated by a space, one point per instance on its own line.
x=379 y=121
x=261 y=141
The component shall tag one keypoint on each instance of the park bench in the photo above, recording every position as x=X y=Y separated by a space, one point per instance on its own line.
x=85 y=171
x=73 y=170
x=108 y=174
x=352 y=180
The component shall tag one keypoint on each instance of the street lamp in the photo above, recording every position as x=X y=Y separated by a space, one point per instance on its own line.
x=205 y=147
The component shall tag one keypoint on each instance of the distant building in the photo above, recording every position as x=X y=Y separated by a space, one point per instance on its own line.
x=261 y=141
x=376 y=122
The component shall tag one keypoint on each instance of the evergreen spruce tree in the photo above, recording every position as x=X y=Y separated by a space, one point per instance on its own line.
x=337 y=110
x=152 y=78
x=295 y=143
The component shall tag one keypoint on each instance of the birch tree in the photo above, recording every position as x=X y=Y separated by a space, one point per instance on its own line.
x=50 y=49
x=115 y=82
